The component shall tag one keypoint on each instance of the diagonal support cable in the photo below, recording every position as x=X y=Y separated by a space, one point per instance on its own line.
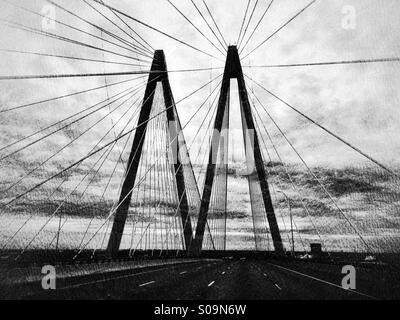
x=280 y=28
x=256 y=27
x=364 y=154
x=194 y=26
x=328 y=63
x=215 y=23
x=156 y=29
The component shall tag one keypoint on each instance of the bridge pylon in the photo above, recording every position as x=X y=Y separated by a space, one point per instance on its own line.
x=233 y=70
x=158 y=75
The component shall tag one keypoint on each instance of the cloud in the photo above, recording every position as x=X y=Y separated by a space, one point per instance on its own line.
x=359 y=102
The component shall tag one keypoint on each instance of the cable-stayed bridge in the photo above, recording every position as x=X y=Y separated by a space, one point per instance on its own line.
x=103 y=183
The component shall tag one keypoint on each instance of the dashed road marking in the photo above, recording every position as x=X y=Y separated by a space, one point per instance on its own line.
x=211 y=283
x=147 y=283
x=320 y=280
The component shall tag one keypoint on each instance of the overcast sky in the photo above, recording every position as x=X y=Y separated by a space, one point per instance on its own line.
x=358 y=102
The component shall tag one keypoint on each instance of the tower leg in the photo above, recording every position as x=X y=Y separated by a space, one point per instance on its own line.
x=233 y=69
x=210 y=173
x=183 y=206
x=158 y=74
x=260 y=169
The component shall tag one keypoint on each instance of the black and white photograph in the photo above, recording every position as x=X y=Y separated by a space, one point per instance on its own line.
x=213 y=152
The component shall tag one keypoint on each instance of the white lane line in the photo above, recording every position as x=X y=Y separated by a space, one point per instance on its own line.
x=183 y=272
x=211 y=283
x=278 y=286
x=323 y=281
x=169 y=267
x=147 y=283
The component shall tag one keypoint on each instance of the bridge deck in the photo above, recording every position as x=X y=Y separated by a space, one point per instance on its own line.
x=223 y=275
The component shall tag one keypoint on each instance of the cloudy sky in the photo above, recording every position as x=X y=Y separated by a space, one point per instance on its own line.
x=358 y=102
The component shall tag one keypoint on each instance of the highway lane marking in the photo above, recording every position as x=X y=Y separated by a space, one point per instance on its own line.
x=171 y=267
x=275 y=284
x=265 y=275
x=116 y=278
x=323 y=281
x=147 y=283
x=211 y=283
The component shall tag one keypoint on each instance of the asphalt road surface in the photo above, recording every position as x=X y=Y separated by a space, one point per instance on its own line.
x=229 y=280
